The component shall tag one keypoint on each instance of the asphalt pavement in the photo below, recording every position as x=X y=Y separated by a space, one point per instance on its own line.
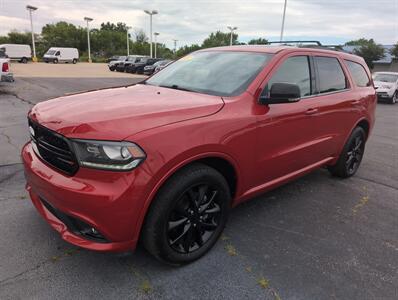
x=316 y=238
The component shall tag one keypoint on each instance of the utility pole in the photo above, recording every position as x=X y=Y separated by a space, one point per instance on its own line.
x=31 y=9
x=232 y=29
x=283 y=21
x=87 y=19
x=150 y=13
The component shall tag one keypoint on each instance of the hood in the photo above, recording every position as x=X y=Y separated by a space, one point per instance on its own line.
x=382 y=84
x=115 y=114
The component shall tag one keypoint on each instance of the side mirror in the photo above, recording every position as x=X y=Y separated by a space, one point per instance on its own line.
x=282 y=93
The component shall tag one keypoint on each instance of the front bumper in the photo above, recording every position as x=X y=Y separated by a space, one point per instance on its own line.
x=106 y=201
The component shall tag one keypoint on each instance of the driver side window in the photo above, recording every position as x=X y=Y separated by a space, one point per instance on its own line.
x=58 y=53
x=294 y=70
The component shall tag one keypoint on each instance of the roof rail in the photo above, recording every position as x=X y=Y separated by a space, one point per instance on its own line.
x=318 y=43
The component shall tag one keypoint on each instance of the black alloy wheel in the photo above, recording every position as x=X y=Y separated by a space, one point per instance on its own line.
x=194 y=219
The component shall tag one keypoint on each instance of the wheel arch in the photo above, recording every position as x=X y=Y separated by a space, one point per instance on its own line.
x=222 y=162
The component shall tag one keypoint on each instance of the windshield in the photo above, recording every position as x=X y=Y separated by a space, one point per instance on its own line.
x=217 y=73
x=386 y=77
x=51 y=52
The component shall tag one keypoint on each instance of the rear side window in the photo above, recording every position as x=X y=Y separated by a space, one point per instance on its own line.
x=294 y=70
x=358 y=73
x=330 y=74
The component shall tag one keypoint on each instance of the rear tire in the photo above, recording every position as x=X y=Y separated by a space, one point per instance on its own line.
x=74 y=61
x=187 y=215
x=24 y=60
x=351 y=156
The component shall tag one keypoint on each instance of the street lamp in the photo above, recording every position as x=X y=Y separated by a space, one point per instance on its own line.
x=128 y=40
x=283 y=21
x=87 y=19
x=175 y=47
x=156 y=34
x=151 y=13
x=232 y=33
x=31 y=8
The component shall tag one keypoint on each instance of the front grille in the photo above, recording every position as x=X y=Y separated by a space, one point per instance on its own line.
x=53 y=148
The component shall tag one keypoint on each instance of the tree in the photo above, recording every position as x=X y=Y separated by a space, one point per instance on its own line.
x=259 y=41
x=120 y=27
x=187 y=49
x=394 y=51
x=368 y=49
x=140 y=36
x=63 y=34
x=219 y=39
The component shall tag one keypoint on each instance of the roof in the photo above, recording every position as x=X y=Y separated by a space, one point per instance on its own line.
x=387 y=48
x=277 y=49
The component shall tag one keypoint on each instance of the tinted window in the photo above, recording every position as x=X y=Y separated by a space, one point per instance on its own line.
x=331 y=75
x=221 y=73
x=385 y=77
x=58 y=53
x=294 y=70
x=358 y=73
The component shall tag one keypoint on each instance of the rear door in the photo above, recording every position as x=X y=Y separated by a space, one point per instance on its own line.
x=337 y=103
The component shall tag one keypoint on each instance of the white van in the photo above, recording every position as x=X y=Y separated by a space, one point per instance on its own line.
x=55 y=55
x=21 y=53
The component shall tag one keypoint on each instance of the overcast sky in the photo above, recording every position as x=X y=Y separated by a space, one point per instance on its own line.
x=190 y=21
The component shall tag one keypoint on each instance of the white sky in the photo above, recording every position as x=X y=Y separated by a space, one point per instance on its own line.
x=190 y=21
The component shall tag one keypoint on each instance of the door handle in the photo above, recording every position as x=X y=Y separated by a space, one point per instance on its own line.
x=311 y=111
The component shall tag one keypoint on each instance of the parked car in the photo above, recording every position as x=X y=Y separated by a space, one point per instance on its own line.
x=139 y=66
x=115 y=58
x=5 y=73
x=56 y=55
x=163 y=161
x=150 y=69
x=386 y=84
x=131 y=59
x=161 y=67
x=19 y=52
x=112 y=64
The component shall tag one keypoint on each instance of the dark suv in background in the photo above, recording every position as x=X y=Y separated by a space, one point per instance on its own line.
x=131 y=59
x=138 y=67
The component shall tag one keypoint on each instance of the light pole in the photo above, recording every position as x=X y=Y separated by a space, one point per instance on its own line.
x=155 y=34
x=31 y=8
x=151 y=13
x=175 y=47
x=232 y=33
x=87 y=19
x=283 y=21
x=128 y=40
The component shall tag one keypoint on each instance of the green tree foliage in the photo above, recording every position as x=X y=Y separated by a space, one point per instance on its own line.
x=369 y=50
x=187 y=49
x=120 y=27
x=219 y=39
x=394 y=51
x=259 y=41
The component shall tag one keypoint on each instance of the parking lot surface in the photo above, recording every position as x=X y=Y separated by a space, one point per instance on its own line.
x=316 y=238
x=61 y=70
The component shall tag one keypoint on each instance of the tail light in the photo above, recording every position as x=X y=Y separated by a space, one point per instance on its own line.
x=5 y=67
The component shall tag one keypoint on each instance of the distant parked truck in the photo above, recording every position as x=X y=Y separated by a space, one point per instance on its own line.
x=21 y=53
x=56 y=55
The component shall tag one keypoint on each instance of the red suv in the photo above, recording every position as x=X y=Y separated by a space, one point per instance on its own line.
x=163 y=161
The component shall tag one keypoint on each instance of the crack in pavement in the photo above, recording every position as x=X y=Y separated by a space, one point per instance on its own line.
x=9 y=140
x=376 y=182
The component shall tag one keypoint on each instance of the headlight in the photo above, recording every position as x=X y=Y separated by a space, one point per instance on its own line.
x=118 y=156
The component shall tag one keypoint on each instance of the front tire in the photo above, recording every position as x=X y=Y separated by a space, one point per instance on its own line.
x=187 y=216
x=394 y=98
x=55 y=61
x=351 y=156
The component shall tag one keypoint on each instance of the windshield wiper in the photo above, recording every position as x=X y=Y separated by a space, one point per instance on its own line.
x=176 y=87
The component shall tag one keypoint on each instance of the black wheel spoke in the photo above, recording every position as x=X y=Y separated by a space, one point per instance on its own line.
x=213 y=210
x=174 y=224
x=206 y=205
x=208 y=226
x=199 y=237
x=188 y=240
x=202 y=194
x=178 y=239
